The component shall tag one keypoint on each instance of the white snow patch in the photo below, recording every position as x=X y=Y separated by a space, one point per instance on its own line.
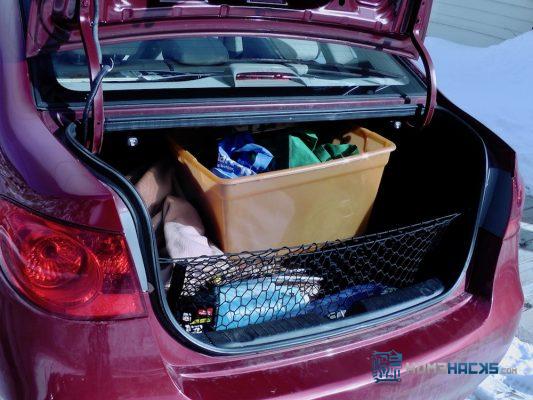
x=495 y=85
x=510 y=386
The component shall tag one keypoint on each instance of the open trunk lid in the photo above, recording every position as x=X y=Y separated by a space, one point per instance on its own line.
x=385 y=24
x=395 y=26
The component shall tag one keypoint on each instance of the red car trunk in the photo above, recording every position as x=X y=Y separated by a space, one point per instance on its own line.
x=84 y=305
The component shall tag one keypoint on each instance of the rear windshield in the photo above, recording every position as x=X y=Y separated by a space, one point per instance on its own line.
x=225 y=67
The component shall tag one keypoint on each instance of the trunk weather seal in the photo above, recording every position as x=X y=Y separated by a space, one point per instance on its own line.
x=244 y=118
x=160 y=306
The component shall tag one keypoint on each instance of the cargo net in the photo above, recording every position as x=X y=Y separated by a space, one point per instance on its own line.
x=218 y=293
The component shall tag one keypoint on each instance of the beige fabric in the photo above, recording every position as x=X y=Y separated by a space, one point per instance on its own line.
x=155 y=186
x=184 y=231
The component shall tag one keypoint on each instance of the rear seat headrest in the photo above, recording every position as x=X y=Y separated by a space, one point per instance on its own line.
x=196 y=51
x=297 y=49
x=340 y=53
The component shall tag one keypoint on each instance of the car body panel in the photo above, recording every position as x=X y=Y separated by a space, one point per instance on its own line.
x=36 y=170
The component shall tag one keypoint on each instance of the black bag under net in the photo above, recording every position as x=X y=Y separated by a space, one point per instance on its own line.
x=217 y=293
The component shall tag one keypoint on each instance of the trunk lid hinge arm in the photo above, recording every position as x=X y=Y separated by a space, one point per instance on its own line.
x=429 y=71
x=89 y=34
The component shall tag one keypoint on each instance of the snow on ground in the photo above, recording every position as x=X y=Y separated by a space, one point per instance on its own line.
x=495 y=85
x=517 y=386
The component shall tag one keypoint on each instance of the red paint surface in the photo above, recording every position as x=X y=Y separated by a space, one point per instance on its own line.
x=35 y=169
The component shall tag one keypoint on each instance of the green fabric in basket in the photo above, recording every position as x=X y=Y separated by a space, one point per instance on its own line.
x=300 y=149
x=305 y=150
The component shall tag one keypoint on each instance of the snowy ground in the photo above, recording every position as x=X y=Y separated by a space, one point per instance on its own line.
x=510 y=387
x=495 y=85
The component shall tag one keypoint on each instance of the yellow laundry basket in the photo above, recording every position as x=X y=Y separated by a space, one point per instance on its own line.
x=315 y=203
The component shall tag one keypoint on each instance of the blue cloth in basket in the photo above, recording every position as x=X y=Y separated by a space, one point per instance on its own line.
x=238 y=155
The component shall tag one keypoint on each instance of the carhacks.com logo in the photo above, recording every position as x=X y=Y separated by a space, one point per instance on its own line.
x=386 y=366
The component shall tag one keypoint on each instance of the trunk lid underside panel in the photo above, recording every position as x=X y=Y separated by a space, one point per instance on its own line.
x=384 y=24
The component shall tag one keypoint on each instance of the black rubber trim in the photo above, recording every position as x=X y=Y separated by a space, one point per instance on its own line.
x=247 y=118
x=497 y=209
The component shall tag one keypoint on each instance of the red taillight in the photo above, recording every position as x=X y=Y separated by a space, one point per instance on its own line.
x=71 y=271
x=517 y=204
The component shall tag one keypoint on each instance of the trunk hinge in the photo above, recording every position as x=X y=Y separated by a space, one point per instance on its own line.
x=89 y=20
x=429 y=70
